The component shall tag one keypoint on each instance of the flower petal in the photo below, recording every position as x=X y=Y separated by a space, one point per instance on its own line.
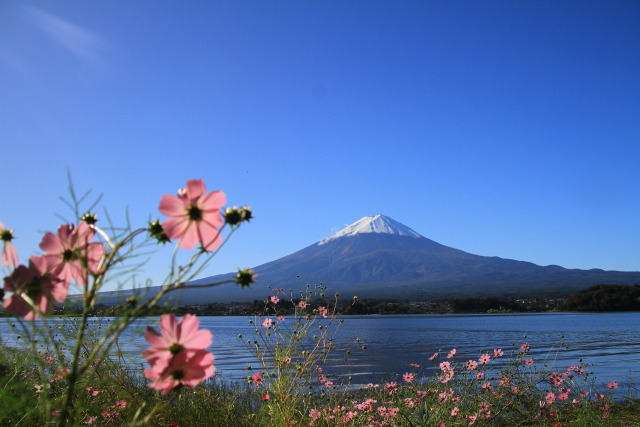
x=195 y=188
x=172 y=206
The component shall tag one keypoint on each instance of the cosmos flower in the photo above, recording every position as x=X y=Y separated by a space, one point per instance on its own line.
x=35 y=284
x=194 y=216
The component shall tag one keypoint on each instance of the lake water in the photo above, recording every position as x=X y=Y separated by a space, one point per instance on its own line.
x=609 y=341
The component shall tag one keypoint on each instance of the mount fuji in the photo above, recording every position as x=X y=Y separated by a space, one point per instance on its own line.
x=377 y=256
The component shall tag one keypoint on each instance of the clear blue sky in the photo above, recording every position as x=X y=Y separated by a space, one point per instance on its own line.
x=506 y=128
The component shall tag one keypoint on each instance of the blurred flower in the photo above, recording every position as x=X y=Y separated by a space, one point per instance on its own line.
x=32 y=282
x=257 y=378
x=71 y=254
x=9 y=252
x=194 y=216
x=323 y=311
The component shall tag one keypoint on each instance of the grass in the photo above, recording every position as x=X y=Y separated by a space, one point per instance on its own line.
x=112 y=395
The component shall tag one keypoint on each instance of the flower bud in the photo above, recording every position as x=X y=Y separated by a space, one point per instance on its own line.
x=236 y=215
x=157 y=232
x=245 y=277
x=89 y=218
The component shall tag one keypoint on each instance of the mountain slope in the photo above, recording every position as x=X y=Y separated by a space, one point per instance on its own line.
x=379 y=257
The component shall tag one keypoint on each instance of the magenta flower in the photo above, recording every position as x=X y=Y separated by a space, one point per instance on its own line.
x=187 y=368
x=484 y=359
x=71 y=254
x=33 y=282
x=9 y=252
x=612 y=385
x=175 y=337
x=194 y=216
x=257 y=378
x=267 y=322
x=471 y=365
x=408 y=377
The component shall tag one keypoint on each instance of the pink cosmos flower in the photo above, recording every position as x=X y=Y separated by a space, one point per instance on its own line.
x=9 y=252
x=484 y=359
x=445 y=366
x=302 y=304
x=497 y=352
x=452 y=353
x=314 y=414
x=36 y=285
x=265 y=397
x=408 y=377
x=280 y=319
x=612 y=384
x=175 y=337
x=71 y=254
x=187 y=368
x=550 y=398
x=274 y=299
x=433 y=356
x=279 y=290
x=194 y=216
x=267 y=322
x=528 y=361
x=415 y=365
x=257 y=378
x=455 y=411
x=525 y=347
x=323 y=311
x=91 y=420
x=472 y=419
x=471 y=365
x=92 y=391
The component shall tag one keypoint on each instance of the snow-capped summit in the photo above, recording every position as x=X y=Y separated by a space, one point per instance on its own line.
x=373 y=224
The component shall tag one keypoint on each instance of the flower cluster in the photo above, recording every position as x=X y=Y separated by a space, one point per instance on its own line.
x=178 y=354
x=71 y=255
x=81 y=254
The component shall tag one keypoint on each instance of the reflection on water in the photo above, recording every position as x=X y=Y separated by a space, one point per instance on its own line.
x=609 y=341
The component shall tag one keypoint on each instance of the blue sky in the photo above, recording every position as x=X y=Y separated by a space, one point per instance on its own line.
x=498 y=127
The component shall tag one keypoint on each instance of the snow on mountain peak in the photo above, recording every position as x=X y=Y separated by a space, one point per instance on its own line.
x=373 y=224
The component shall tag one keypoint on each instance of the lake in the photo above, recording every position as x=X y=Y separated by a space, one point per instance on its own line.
x=609 y=341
